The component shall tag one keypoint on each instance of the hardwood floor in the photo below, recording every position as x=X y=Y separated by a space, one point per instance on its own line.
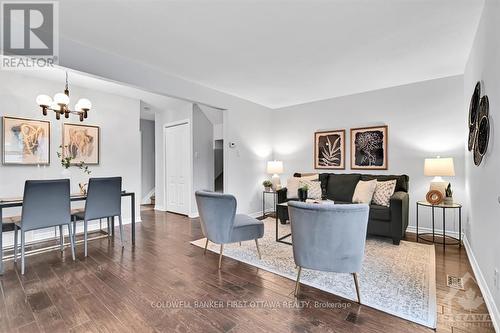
x=165 y=284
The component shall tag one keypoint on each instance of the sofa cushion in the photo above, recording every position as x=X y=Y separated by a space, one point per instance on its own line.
x=401 y=181
x=364 y=191
x=340 y=187
x=380 y=213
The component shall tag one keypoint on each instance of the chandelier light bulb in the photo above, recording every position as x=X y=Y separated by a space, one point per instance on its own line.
x=84 y=104
x=43 y=100
x=61 y=99
x=54 y=106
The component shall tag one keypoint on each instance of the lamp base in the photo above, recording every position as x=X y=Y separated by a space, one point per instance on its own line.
x=276 y=182
x=439 y=186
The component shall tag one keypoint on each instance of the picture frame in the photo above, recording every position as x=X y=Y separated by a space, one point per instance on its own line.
x=329 y=150
x=369 y=148
x=82 y=142
x=25 y=141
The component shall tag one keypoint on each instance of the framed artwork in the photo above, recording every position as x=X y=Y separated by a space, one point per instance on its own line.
x=369 y=148
x=25 y=141
x=82 y=143
x=329 y=150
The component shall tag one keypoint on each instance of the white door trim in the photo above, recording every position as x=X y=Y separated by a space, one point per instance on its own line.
x=190 y=144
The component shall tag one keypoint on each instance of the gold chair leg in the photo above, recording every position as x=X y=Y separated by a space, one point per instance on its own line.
x=206 y=245
x=258 y=249
x=356 y=283
x=220 y=255
x=297 y=283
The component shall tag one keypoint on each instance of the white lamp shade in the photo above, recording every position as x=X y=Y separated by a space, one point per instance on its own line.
x=274 y=167
x=439 y=167
x=43 y=100
x=84 y=104
x=61 y=99
x=54 y=106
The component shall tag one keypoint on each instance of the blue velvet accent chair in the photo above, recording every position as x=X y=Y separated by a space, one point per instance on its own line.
x=220 y=223
x=328 y=237
x=46 y=204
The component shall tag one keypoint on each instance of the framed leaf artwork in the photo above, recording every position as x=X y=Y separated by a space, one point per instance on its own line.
x=82 y=143
x=369 y=148
x=25 y=141
x=329 y=150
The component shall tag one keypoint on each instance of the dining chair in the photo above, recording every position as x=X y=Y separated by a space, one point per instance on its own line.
x=328 y=238
x=220 y=223
x=46 y=204
x=103 y=201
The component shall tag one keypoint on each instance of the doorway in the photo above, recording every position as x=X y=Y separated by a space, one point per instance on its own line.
x=177 y=167
x=219 y=165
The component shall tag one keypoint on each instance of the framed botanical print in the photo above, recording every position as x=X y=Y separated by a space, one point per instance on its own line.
x=25 y=141
x=329 y=150
x=81 y=142
x=369 y=148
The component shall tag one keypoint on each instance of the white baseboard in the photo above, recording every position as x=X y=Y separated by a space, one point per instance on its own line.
x=51 y=233
x=160 y=208
x=483 y=286
x=147 y=198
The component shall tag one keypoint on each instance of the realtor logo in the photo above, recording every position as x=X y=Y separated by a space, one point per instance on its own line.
x=29 y=34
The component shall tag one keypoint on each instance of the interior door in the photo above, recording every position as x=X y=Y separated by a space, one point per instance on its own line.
x=177 y=168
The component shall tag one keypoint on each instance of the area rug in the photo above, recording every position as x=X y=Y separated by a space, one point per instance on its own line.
x=399 y=280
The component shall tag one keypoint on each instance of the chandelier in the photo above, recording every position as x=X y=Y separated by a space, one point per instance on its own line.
x=60 y=104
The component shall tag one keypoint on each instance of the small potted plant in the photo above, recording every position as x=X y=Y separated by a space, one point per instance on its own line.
x=302 y=192
x=268 y=185
x=66 y=163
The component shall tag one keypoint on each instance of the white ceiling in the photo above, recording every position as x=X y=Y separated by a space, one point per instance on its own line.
x=280 y=53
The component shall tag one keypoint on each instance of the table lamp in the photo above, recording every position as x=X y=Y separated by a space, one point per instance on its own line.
x=437 y=168
x=275 y=168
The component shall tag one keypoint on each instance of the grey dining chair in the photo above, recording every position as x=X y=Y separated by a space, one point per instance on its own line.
x=46 y=204
x=328 y=237
x=220 y=223
x=103 y=201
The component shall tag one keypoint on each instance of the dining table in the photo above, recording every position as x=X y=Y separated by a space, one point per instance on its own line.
x=18 y=202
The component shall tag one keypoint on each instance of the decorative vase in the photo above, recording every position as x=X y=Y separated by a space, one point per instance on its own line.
x=83 y=188
x=66 y=173
x=302 y=194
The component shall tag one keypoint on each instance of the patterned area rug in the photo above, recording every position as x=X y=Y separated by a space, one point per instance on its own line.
x=399 y=280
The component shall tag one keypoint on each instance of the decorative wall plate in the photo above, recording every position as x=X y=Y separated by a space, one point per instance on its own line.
x=473 y=115
x=434 y=197
x=482 y=138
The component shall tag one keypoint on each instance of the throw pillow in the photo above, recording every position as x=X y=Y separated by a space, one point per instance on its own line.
x=383 y=192
x=314 y=188
x=310 y=177
x=364 y=191
x=292 y=188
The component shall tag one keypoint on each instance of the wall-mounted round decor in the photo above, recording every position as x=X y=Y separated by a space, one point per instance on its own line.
x=473 y=115
x=482 y=131
x=483 y=136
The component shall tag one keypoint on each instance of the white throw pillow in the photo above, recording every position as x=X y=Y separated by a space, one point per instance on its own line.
x=310 y=177
x=384 y=192
x=314 y=188
x=364 y=191
x=292 y=188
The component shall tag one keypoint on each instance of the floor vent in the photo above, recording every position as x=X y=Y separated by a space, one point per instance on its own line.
x=352 y=317
x=454 y=282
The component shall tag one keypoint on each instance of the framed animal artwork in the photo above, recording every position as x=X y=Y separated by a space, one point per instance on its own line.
x=369 y=148
x=82 y=142
x=329 y=150
x=25 y=141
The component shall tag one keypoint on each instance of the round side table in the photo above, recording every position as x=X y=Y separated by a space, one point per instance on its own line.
x=444 y=207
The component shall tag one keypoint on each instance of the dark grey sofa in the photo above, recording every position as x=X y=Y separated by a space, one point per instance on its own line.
x=389 y=221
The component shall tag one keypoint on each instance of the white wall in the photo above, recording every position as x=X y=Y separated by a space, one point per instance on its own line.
x=117 y=117
x=483 y=182
x=203 y=153
x=245 y=123
x=147 y=128
x=424 y=119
